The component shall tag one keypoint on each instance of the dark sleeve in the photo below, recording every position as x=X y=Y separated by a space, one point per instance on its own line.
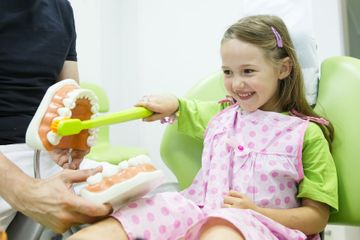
x=70 y=25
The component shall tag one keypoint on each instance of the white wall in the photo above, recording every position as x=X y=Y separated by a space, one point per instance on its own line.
x=328 y=27
x=136 y=47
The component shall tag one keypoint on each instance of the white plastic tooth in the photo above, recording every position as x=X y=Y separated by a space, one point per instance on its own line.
x=73 y=94
x=69 y=103
x=91 y=140
x=133 y=161
x=94 y=179
x=123 y=165
x=64 y=112
x=93 y=101
x=58 y=118
x=95 y=108
x=109 y=170
x=53 y=138
x=143 y=158
x=94 y=131
x=83 y=95
x=95 y=115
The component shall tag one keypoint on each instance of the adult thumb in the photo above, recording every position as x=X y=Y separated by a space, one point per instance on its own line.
x=76 y=176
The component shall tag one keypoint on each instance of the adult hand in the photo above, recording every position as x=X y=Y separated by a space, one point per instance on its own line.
x=68 y=158
x=162 y=106
x=52 y=203
x=239 y=200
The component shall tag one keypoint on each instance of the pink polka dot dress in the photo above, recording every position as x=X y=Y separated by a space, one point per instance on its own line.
x=257 y=153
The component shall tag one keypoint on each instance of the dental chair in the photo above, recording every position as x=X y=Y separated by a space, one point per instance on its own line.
x=338 y=100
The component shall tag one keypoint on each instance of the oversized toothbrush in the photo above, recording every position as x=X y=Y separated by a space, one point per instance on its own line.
x=67 y=119
x=66 y=110
x=71 y=126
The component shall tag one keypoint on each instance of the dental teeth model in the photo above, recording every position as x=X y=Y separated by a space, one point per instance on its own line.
x=117 y=185
x=63 y=100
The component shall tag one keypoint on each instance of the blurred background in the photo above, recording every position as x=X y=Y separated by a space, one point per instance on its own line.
x=137 y=47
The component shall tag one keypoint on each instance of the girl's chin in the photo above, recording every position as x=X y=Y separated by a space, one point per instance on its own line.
x=248 y=108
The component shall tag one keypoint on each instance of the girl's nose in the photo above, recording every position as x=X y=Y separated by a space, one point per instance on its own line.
x=238 y=83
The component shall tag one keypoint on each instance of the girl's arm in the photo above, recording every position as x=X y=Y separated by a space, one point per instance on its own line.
x=310 y=218
x=193 y=115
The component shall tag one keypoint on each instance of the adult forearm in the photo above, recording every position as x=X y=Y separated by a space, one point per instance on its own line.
x=69 y=71
x=11 y=180
x=308 y=219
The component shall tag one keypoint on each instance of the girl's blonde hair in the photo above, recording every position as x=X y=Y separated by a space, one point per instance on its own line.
x=258 y=30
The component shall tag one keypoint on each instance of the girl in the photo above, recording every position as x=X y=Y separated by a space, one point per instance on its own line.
x=267 y=171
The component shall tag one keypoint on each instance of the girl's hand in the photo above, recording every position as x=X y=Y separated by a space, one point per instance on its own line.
x=162 y=106
x=239 y=200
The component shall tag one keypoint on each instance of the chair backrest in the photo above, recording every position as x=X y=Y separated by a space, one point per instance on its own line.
x=338 y=100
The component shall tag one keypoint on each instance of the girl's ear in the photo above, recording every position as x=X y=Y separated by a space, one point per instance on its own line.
x=285 y=68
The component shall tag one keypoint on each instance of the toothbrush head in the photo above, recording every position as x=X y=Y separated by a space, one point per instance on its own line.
x=63 y=100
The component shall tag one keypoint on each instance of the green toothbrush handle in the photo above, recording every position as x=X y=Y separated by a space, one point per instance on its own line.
x=74 y=126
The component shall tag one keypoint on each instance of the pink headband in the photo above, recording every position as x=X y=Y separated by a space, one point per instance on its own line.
x=278 y=37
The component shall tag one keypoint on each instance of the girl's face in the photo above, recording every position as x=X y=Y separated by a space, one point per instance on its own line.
x=249 y=78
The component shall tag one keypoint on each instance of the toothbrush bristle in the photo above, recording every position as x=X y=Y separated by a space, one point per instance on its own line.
x=54 y=125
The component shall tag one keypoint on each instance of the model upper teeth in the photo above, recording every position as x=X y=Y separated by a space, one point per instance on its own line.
x=69 y=103
x=65 y=112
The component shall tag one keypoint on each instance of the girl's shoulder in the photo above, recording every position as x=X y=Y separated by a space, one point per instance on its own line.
x=313 y=133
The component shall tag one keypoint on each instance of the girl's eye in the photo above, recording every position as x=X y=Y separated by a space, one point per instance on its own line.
x=248 y=71
x=226 y=72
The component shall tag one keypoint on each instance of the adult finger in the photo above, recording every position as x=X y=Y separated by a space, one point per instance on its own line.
x=76 y=176
x=60 y=156
x=88 y=208
x=77 y=156
x=66 y=166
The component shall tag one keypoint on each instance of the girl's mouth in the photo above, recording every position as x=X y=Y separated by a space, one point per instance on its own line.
x=245 y=96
